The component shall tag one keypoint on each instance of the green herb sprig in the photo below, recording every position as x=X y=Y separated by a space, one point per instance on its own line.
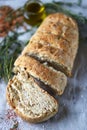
x=10 y=48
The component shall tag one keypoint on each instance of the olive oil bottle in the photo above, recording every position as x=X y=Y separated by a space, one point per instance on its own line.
x=34 y=12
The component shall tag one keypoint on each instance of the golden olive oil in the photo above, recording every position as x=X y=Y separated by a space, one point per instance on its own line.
x=34 y=12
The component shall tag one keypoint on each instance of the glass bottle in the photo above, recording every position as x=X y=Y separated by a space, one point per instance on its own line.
x=34 y=12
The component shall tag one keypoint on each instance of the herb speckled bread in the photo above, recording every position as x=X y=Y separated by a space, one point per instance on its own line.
x=55 y=79
x=55 y=41
x=46 y=60
x=29 y=101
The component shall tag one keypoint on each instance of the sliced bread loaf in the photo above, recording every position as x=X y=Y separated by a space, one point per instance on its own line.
x=55 y=41
x=54 y=56
x=55 y=79
x=29 y=101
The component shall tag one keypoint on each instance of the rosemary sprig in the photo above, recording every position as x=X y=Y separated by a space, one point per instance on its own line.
x=9 y=50
x=10 y=47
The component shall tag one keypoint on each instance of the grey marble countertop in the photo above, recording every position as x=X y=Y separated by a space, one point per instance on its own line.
x=72 y=113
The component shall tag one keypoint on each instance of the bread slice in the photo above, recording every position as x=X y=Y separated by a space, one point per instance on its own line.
x=55 y=79
x=55 y=41
x=29 y=101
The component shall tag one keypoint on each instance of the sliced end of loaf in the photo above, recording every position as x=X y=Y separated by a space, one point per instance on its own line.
x=29 y=101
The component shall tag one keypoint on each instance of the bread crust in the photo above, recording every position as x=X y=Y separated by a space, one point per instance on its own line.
x=41 y=118
x=49 y=54
x=59 y=32
x=55 y=79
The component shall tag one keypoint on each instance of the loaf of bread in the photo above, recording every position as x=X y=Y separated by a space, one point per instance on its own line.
x=46 y=61
x=30 y=102
x=55 y=41
x=49 y=76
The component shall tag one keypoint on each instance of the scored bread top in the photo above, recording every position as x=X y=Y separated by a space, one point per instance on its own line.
x=54 y=56
x=55 y=79
x=59 y=33
x=29 y=101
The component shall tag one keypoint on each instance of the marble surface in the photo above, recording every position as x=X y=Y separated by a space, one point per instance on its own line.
x=72 y=113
